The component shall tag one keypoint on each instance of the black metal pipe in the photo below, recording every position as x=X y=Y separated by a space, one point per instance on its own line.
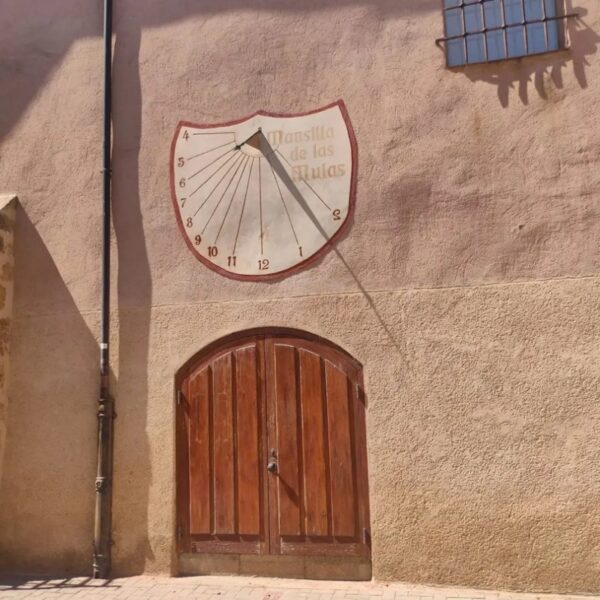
x=103 y=511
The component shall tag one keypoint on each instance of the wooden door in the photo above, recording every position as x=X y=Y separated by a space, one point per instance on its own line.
x=272 y=450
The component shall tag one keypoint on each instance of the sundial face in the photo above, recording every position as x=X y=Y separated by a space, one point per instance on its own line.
x=259 y=198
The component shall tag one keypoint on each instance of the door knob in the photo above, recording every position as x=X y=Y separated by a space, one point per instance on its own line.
x=272 y=464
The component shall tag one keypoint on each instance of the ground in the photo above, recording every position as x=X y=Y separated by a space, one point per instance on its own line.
x=242 y=588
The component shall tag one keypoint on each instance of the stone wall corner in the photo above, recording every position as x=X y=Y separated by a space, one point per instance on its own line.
x=8 y=213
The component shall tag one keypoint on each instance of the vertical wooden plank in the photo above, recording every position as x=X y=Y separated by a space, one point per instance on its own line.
x=288 y=480
x=182 y=412
x=266 y=349
x=313 y=443
x=265 y=427
x=199 y=448
x=343 y=489
x=223 y=467
x=248 y=451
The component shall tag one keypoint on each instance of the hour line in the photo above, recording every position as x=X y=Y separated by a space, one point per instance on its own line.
x=239 y=164
x=262 y=250
x=237 y=235
x=211 y=176
x=215 y=133
x=209 y=151
x=306 y=182
x=211 y=163
x=232 y=198
x=287 y=212
x=241 y=158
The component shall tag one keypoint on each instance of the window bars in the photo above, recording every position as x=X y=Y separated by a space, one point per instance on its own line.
x=488 y=30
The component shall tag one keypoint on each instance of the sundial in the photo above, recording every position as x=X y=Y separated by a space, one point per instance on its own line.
x=263 y=196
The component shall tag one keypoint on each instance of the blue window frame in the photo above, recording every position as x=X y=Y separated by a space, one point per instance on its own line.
x=479 y=31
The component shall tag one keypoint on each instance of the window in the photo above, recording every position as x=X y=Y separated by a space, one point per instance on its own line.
x=486 y=30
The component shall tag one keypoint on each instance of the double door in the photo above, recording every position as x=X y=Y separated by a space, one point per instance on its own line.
x=271 y=450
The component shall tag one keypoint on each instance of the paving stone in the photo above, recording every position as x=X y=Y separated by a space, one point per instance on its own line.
x=240 y=588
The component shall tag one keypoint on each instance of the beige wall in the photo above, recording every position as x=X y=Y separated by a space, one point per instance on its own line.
x=467 y=285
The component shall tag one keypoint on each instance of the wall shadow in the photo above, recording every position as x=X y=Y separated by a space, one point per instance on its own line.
x=10 y=583
x=34 y=46
x=47 y=492
x=274 y=157
x=542 y=72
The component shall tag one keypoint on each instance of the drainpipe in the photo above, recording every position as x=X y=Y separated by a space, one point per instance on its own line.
x=103 y=514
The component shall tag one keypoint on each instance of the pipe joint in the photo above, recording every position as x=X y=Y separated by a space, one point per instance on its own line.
x=101 y=484
x=106 y=408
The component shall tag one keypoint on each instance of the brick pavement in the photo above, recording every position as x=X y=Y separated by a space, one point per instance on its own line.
x=242 y=588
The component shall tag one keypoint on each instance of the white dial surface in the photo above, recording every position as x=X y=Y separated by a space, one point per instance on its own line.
x=261 y=197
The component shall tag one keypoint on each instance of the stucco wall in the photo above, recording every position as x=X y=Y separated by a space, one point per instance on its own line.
x=467 y=285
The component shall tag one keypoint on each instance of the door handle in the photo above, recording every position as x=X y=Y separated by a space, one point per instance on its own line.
x=272 y=464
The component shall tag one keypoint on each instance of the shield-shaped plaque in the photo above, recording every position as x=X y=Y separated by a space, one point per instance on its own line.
x=262 y=197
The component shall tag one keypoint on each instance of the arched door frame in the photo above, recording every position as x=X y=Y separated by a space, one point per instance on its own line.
x=233 y=339
x=281 y=342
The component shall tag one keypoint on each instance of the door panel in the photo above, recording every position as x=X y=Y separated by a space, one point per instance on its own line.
x=341 y=460
x=287 y=482
x=314 y=395
x=200 y=453
x=246 y=386
x=223 y=464
x=313 y=444
x=224 y=501
x=296 y=403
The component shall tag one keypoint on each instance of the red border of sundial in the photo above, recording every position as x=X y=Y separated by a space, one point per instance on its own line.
x=311 y=259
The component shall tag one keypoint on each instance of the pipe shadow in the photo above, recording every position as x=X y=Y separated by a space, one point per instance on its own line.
x=46 y=496
x=132 y=469
x=544 y=71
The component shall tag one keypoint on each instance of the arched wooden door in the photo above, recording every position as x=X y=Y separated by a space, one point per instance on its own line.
x=271 y=450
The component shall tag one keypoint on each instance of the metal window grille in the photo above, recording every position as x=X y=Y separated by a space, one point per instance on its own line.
x=479 y=31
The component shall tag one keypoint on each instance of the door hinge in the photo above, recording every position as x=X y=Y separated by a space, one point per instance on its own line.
x=179 y=397
x=179 y=533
